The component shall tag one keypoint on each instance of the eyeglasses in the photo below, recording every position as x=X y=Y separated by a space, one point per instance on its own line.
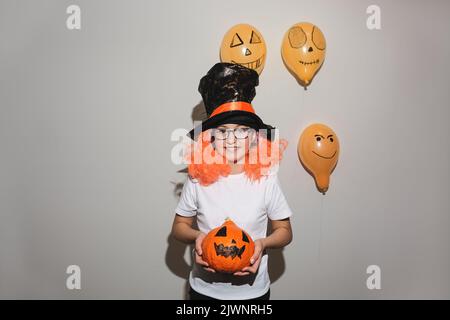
x=239 y=133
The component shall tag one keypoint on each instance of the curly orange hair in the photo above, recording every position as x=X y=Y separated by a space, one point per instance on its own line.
x=207 y=166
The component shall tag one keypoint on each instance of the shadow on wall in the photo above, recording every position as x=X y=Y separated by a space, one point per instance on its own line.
x=175 y=253
x=176 y=250
x=199 y=112
x=176 y=263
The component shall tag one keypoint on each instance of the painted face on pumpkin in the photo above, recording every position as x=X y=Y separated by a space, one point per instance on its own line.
x=244 y=45
x=232 y=250
x=228 y=248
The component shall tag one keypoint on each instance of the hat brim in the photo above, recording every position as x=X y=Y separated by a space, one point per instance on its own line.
x=236 y=117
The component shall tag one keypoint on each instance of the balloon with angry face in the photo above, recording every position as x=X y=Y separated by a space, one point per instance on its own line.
x=303 y=51
x=243 y=44
x=318 y=150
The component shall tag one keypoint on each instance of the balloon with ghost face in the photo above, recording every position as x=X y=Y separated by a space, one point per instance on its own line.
x=303 y=51
x=243 y=44
x=318 y=150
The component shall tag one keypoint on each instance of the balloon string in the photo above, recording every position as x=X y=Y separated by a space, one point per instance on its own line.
x=320 y=232
x=304 y=99
x=320 y=246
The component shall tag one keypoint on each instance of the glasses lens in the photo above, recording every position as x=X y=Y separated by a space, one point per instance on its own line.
x=241 y=133
x=220 y=134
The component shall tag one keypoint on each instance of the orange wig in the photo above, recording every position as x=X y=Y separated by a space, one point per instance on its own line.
x=207 y=166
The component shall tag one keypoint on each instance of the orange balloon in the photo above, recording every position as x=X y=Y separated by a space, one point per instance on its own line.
x=303 y=51
x=318 y=150
x=243 y=44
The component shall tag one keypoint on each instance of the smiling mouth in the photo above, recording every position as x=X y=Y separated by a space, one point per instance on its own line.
x=252 y=64
x=309 y=63
x=323 y=156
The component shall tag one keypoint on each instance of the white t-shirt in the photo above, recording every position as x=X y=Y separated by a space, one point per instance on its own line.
x=249 y=204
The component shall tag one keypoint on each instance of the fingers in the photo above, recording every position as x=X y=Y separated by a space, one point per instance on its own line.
x=199 y=260
x=255 y=265
x=241 y=273
x=203 y=263
x=252 y=269
x=255 y=255
x=198 y=245
x=198 y=254
x=249 y=270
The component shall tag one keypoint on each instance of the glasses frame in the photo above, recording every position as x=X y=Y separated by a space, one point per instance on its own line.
x=247 y=133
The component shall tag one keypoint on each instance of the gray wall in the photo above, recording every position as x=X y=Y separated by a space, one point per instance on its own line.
x=86 y=116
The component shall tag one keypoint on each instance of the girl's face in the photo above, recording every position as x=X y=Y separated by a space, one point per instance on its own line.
x=232 y=141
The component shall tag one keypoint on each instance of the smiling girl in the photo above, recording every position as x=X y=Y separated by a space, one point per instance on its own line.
x=232 y=174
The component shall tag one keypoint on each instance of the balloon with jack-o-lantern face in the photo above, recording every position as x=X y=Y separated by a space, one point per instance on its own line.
x=318 y=150
x=303 y=51
x=243 y=44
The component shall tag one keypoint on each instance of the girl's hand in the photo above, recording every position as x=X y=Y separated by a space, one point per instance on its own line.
x=255 y=260
x=198 y=252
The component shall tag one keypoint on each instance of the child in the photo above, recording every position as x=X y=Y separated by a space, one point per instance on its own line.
x=225 y=181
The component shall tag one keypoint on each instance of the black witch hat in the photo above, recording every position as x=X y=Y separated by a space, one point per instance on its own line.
x=227 y=91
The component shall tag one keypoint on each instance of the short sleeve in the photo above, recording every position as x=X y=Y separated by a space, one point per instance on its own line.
x=276 y=204
x=187 y=205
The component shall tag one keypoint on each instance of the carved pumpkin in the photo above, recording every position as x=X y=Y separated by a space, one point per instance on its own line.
x=228 y=248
